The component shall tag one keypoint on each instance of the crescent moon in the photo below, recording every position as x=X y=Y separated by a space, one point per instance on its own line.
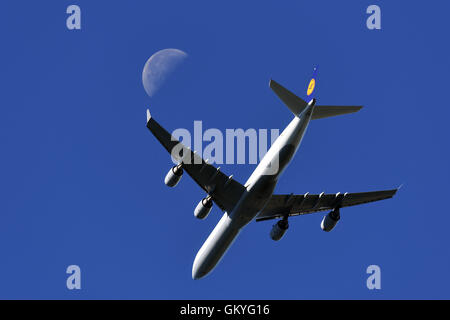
x=158 y=67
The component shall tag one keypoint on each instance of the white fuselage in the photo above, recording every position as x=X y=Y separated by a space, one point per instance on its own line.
x=259 y=189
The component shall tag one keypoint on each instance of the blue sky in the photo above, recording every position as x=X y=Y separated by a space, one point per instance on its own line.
x=81 y=178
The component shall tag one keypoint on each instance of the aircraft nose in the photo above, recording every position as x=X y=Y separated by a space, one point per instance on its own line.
x=214 y=248
x=197 y=269
x=196 y=274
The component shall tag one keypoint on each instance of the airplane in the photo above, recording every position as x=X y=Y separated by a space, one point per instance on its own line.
x=254 y=200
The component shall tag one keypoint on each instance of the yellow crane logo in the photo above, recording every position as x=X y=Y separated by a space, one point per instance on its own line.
x=311 y=86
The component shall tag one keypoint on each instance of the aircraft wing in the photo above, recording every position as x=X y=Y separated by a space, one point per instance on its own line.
x=293 y=205
x=223 y=189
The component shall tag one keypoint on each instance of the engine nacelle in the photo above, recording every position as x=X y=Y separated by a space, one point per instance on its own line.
x=279 y=229
x=203 y=208
x=173 y=176
x=330 y=220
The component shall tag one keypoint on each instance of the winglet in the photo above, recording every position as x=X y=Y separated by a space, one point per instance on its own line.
x=149 y=116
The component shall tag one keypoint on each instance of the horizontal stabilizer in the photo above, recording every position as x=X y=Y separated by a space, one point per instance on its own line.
x=321 y=112
x=294 y=103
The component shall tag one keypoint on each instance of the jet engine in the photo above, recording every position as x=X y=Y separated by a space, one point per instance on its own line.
x=173 y=176
x=330 y=220
x=203 y=208
x=279 y=229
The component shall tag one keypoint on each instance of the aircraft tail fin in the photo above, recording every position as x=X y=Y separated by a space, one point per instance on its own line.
x=297 y=104
x=293 y=102
x=311 y=85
